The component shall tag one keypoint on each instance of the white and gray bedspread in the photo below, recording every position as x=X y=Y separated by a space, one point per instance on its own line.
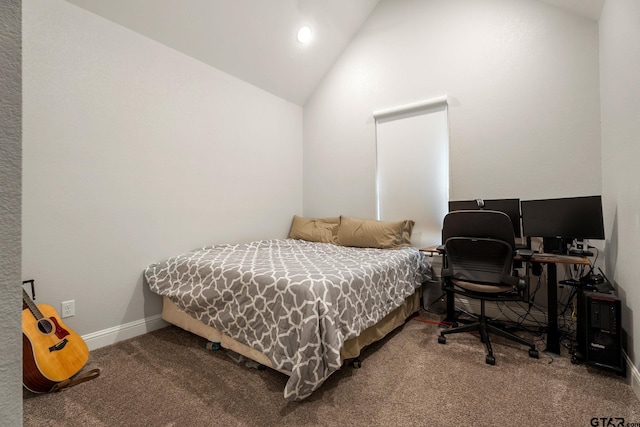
x=293 y=300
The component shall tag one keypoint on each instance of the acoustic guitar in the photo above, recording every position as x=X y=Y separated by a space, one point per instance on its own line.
x=51 y=352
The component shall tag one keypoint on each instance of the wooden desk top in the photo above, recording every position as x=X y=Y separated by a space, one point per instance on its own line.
x=537 y=257
x=432 y=250
x=557 y=259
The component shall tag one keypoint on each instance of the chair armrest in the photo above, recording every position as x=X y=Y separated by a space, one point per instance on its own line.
x=441 y=250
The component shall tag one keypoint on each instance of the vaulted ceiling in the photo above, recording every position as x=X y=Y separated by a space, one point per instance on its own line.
x=255 y=40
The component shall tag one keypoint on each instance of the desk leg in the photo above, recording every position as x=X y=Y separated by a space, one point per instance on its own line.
x=553 y=337
x=451 y=307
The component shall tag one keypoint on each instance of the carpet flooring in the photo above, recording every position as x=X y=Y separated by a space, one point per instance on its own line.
x=168 y=378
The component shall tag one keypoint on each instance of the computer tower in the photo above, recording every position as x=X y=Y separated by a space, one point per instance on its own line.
x=599 y=331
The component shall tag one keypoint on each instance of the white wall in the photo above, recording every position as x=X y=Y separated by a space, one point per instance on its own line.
x=133 y=153
x=522 y=77
x=10 y=159
x=620 y=87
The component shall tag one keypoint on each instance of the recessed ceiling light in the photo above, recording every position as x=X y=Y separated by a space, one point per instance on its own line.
x=304 y=35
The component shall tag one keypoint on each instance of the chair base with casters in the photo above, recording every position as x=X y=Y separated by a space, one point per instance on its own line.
x=484 y=326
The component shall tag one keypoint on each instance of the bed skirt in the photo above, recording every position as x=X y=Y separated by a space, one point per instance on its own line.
x=351 y=349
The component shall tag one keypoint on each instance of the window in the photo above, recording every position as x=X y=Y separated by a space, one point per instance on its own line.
x=412 y=145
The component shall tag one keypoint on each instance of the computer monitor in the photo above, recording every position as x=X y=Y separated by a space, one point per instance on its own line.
x=564 y=220
x=509 y=206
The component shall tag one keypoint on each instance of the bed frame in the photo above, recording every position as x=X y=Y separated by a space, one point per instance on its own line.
x=350 y=351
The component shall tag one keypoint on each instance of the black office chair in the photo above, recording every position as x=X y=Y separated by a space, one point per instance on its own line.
x=478 y=249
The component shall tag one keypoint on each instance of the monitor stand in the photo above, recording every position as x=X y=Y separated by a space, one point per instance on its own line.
x=556 y=245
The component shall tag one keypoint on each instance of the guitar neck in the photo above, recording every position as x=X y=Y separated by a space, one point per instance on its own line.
x=32 y=306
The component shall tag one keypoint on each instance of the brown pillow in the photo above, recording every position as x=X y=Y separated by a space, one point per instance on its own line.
x=369 y=233
x=314 y=229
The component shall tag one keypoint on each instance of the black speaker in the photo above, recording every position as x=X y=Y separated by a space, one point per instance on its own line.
x=599 y=331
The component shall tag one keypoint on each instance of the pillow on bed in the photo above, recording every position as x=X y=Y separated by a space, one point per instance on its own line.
x=314 y=229
x=369 y=233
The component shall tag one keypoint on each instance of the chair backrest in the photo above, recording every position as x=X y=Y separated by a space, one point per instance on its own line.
x=479 y=247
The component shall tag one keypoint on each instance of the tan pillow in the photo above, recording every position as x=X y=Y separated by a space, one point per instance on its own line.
x=314 y=229
x=369 y=233
x=406 y=232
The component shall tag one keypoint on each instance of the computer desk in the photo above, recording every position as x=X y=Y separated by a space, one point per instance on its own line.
x=551 y=261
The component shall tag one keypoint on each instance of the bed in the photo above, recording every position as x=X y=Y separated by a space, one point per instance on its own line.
x=299 y=306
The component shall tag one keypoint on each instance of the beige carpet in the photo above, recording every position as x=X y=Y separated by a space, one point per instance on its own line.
x=168 y=378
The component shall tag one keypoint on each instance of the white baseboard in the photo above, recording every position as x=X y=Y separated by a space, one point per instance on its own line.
x=633 y=376
x=113 y=335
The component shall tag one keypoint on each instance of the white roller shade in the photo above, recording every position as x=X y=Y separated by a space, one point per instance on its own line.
x=413 y=167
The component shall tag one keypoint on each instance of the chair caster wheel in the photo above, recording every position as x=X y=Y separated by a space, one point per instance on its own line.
x=490 y=360
x=442 y=339
x=356 y=363
x=534 y=353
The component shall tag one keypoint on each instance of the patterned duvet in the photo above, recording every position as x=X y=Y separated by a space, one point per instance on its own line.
x=293 y=300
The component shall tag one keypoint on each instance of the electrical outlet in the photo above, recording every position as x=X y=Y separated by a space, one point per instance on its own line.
x=68 y=308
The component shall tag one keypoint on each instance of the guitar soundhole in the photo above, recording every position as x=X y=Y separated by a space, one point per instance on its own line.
x=45 y=326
